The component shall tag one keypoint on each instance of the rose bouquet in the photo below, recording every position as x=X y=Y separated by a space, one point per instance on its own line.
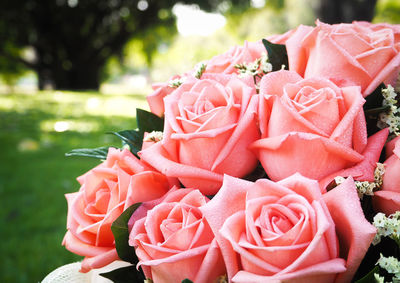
x=277 y=161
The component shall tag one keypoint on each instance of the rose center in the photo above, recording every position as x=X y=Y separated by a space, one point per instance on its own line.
x=202 y=106
x=178 y=220
x=318 y=106
x=277 y=218
x=100 y=205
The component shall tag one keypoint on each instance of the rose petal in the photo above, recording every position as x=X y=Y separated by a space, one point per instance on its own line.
x=284 y=155
x=230 y=198
x=322 y=272
x=78 y=247
x=387 y=202
x=206 y=181
x=272 y=84
x=212 y=266
x=99 y=261
x=146 y=186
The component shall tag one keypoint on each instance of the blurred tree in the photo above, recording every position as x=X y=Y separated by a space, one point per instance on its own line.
x=72 y=39
x=387 y=11
x=10 y=71
x=344 y=11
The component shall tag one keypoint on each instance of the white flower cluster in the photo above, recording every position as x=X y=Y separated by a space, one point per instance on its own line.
x=154 y=136
x=391 y=265
x=365 y=187
x=258 y=68
x=387 y=227
x=390 y=118
x=378 y=279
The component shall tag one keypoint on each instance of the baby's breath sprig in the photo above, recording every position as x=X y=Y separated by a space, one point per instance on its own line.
x=256 y=69
x=365 y=187
x=222 y=279
x=391 y=118
x=200 y=68
x=391 y=265
x=387 y=227
x=175 y=83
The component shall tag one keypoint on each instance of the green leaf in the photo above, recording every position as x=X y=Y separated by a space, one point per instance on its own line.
x=369 y=278
x=148 y=122
x=99 y=152
x=186 y=281
x=375 y=99
x=126 y=274
x=132 y=138
x=277 y=55
x=120 y=231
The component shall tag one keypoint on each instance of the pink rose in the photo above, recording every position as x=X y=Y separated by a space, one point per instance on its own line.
x=348 y=54
x=175 y=242
x=225 y=63
x=308 y=126
x=208 y=126
x=106 y=191
x=288 y=231
x=387 y=200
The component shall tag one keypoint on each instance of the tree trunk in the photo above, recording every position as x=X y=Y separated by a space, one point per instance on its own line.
x=79 y=77
x=345 y=11
x=45 y=80
x=82 y=76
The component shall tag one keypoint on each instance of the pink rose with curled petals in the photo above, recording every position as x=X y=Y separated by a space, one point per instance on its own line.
x=387 y=200
x=348 y=54
x=225 y=63
x=175 y=242
x=208 y=126
x=106 y=191
x=288 y=231
x=309 y=126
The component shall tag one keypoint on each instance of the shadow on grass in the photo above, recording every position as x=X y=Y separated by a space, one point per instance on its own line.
x=35 y=175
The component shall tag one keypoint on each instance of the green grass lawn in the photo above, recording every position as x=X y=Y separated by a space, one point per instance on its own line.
x=35 y=132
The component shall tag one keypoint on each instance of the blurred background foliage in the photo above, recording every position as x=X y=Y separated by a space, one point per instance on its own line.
x=78 y=45
x=116 y=48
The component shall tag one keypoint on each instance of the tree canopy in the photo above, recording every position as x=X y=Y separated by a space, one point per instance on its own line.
x=72 y=39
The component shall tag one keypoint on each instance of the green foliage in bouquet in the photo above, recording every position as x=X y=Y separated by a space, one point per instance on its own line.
x=121 y=235
x=125 y=252
x=124 y=275
x=146 y=121
x=370 y=277
x=98 y=152
x=277 y=55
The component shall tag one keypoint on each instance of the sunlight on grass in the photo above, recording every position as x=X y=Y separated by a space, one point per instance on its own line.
x=28 y=145
x=36 y=130
x=75 y=103
x=69 y=125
